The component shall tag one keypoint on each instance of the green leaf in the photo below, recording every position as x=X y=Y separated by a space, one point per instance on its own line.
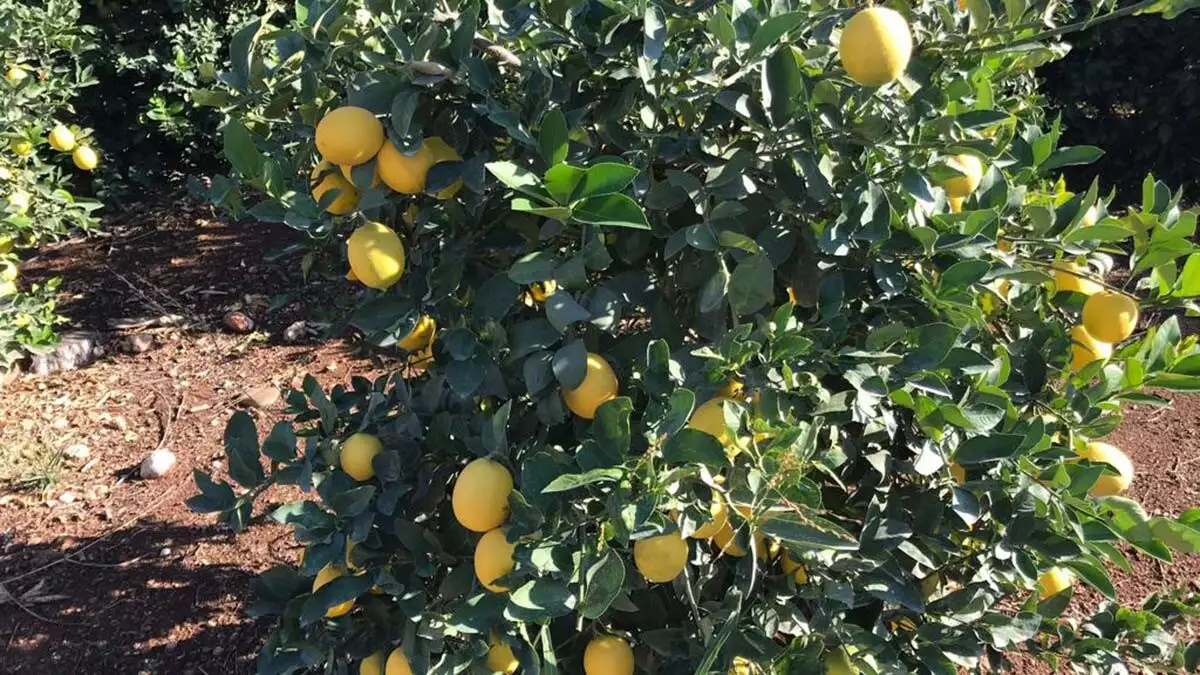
x=1181 y=537
x=350 y=503
x=562 y=311
x=540 y=600
x=214 y=496
x=535 y=267
x=241 y=51
x=773 y=30
x=692 y=446
x=654 y=33
x=932 y=345
x=1095 y=576
x=240 y=149
x=615 y=210
x=1102 y=233
x=326 y=409
x=519 y=179
x=404 y=105
x=1169 y=8
x=804 y=529
x=783 y=84
x=570 y=364
x=280 y=444
x=552 y=137
x=602 y=585
x=611 y=426
x=574 y=481
x=752 y=285
x=1071 y=156
x=241 y=450
x=988 y=449
x=963 y=274
x=606 y=178
x=562 y=181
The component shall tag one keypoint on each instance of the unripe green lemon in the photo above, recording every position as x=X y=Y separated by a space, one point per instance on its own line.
x=876 y=46
x=357 y=454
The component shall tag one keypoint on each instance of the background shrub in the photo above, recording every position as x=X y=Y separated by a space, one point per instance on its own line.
x=1132 y=87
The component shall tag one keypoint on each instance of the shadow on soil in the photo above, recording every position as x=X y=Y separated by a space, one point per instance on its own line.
x=142 y=600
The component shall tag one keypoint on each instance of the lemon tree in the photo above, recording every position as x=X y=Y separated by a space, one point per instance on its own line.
x=758 y=336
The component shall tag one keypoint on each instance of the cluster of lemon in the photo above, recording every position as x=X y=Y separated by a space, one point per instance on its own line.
x=350 y=136
x=61 y=138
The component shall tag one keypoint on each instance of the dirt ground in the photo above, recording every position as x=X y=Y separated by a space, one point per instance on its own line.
x=109 y=573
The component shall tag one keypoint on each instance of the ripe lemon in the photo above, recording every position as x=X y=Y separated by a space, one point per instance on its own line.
x=349 y=135
x=372 y=665
x=500 y=657
x=20 y=202
x=956 y=204
x=85 y=158
x=720 y=520
x=327 y=574
x=21 y=148
x=1085 y=348
x=404 y=173
x=481 y=493
x=733 y=388
x=442 y=152
x=710 y=418
x=325 y=178
x=599 y=385
x=397 y=663
x=8 y=271
x=62 y=139
x=726 y=538
x=1054 y=581
x=421 y=336
x=740 y=666
x=875 y=47
x=357 y=453
x=1108 y=485
x=662 y=558
x=958 y=473
x=15 y=74
x=376 y=255
x=493 y=559
x=962 y=186
x=7 y=288
x=1071 y=277
x=798 y=571
x=608 y=655
x=837 y=662
x=5 y=174
x=6 y=243
x=540 y=290
x=1110 y=316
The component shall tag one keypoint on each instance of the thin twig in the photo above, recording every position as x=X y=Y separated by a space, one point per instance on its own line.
x=5 y=594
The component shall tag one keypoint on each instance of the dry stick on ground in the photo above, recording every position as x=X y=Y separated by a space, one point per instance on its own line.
x=6 y=596
x=154 y=304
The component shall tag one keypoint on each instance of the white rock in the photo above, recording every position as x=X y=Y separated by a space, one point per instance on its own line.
x=67 y=497
x=77 y=452
x=157 y=464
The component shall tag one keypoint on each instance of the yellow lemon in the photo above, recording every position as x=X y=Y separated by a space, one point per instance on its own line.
x=500 y=657
x=726 y=538
x=327 y=574
x=85 y=158
x=349 y=135
x=5 y=174
x=357 y=453
x=421 y=336
x=962 y=186
x=493 y=559
x=442 y=152
x=62 y=139
x=372 y=665
x=733 y=388
x=662 y=558
x=798 y=571
x=956 y=204
x=8 y=271
x=325 y=178
x=21 y=147
x=7 y=288
x=1104 y=453
x=837 y=662
x=397 y=663
x=958 y=473
x=1110 y=316
x=15 y=74
x=540 y=290
x=1085 y=348
x=720 y=520
x=791 y=293
x=480 y=498
x=1090 y=216
x=875 y=47
x=608 y=655
x=20 y=202
x=710 y=418
x=740 y=666
x=404 y=173
x=376 y=255
x=1071 y=277
x=6 y=243
x=1054 y=581
x=599 y=385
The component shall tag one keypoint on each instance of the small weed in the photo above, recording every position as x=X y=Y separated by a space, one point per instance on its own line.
x=29 y=464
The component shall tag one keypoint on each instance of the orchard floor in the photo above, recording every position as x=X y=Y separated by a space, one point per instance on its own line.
x=107 y=573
